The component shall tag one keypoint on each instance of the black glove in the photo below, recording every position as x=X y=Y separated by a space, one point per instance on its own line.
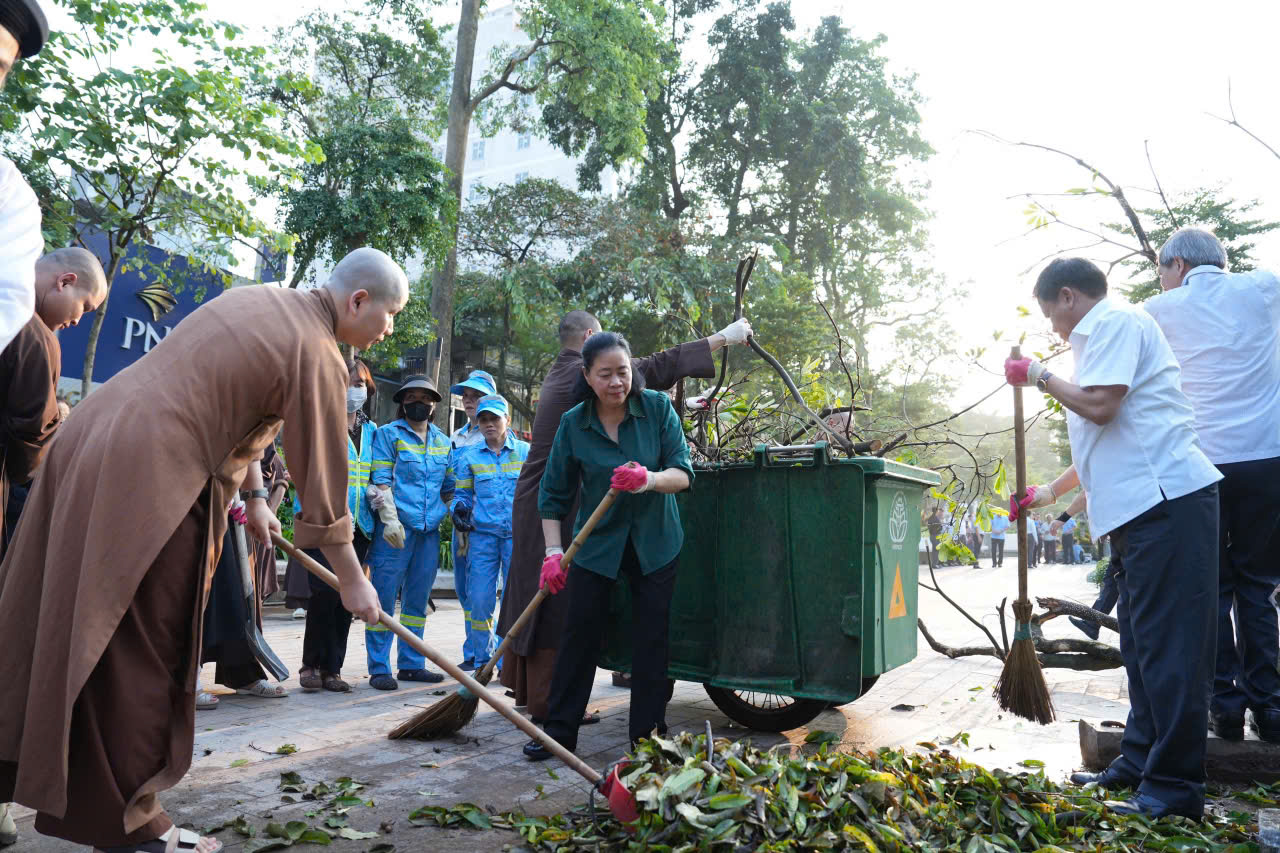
x=462 y=519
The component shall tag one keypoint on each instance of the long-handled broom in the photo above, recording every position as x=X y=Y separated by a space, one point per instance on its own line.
x=621 y=802
x=455 y=711
x=1021 y=689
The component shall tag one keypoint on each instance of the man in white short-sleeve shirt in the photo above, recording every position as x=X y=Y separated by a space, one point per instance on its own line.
x=1224 y=329
x=1151 y=488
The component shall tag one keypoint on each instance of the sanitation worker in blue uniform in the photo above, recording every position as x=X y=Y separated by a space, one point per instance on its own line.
x=410 y=489
x=486 y=488
x=477 y=385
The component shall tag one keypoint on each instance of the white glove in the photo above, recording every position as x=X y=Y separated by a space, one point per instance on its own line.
x=393 y=530
x=699 y=403
x=737 y=332
x=374 y=494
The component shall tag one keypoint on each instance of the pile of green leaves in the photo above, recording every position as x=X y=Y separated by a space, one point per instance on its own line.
x=332 y=802
x=742 y=798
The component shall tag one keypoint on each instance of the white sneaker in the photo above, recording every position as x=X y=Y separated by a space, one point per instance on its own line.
x=300 y=613
x=8 y=830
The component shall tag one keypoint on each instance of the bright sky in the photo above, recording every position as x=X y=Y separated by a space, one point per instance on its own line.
x=1095 y=79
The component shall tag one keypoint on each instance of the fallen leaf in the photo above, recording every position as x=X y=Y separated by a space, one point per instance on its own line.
x=355 y=834
x=239 y=762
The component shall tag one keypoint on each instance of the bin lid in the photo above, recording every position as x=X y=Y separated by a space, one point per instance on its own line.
x=874 y=466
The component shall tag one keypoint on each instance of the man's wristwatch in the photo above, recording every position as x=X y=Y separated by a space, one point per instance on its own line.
x=259 y=493
x=1043 y=382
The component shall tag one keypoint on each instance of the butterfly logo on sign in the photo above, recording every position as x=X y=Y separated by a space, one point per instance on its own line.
x=898 y=521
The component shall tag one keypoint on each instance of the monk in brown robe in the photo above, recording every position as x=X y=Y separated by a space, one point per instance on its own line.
x=69 y=284
x=528 y=664
x=100 y=632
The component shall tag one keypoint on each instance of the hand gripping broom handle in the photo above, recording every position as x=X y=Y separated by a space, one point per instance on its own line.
x=1020 y=458
x=514 y=631
x=406 y=636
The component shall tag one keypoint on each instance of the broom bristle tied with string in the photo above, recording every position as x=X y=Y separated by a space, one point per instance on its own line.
x=1021 y=689
x=445 y=717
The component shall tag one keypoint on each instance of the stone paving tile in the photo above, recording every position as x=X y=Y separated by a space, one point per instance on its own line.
x=345 y=734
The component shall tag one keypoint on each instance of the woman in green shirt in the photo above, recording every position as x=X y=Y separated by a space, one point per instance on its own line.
x=625 y=437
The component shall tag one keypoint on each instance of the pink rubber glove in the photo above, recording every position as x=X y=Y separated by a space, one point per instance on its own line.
x=553 y=573
x=1044 y=494
x=1015 y=371
x=238 y=515
x=632 y=477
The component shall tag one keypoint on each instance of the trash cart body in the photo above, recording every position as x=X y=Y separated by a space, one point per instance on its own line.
x=797 y=578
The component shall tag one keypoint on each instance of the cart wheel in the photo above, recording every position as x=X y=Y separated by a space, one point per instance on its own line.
x=765 y=712
x=867 y=683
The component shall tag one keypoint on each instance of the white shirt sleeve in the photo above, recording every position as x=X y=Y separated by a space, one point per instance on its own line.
x=21 y=244
x=1112 y=352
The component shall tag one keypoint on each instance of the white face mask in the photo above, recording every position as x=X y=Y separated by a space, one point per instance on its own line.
x=356 y=397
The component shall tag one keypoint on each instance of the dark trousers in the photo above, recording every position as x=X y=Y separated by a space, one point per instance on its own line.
x=1033 y=546
x=324 y=643
x=1051 y=550
x=1068 y=548
x=1168 y=618
x=1248 y=572
x=997 y=551
x=587 y=619
x=1109 y=594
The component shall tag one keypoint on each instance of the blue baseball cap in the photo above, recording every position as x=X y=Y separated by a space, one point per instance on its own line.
x=477 y=380
x=492 y=403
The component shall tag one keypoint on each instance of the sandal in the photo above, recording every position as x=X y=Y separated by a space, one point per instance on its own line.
x=206 y=701
x=174 y=841
x=334 y=683
x=382 y=681
x=261 y=689
x=310 y=679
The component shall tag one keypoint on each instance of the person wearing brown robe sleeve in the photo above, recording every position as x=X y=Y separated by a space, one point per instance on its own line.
x=263 y=553
x=102 y=718
x=528 y=664
x=69 y=284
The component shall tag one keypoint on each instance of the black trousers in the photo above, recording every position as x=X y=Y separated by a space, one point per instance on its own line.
x=225 y=617
x=584 y=631
x=1068 y=548
x=1051 y=550
x=1033 y=545
x=997 y=551
x=1109 y=594
x=1168 y=619
x=1248 y=572
x=324 y=643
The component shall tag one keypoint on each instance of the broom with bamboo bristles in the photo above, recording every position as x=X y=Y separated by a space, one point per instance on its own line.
x=1021 y=689
x=453 y=712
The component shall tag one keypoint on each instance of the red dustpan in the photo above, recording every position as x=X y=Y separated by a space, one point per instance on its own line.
x=621 y=802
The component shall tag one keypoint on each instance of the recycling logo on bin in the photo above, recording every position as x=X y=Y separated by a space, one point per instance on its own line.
x=898 y=523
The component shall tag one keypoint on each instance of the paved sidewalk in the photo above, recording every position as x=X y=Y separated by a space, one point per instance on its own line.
x=234 y=771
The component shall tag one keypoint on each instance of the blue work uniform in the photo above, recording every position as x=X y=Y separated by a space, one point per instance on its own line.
x=486 y=484
x=467 y=435
x=418 y=473
x=359 y=468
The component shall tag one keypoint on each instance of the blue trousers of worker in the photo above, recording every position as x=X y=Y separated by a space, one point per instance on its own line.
x=408 y=572
x=489 y=560
x=460 y=563
x=1248 y=571
x=1168 y=614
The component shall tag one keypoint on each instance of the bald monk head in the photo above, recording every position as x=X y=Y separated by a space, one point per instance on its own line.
x=369 y=289
x=69 y=284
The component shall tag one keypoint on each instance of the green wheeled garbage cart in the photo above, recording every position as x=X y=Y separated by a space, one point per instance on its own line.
x=797 y=583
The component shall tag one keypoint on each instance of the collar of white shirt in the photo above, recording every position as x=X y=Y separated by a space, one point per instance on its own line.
x=1089 y=321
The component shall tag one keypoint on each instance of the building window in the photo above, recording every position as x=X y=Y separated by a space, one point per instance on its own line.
x=522 y=176
x=477 y=150
x=523 y=141
x=475 y=193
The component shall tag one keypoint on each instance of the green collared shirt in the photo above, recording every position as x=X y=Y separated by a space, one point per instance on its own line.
x=583 y=452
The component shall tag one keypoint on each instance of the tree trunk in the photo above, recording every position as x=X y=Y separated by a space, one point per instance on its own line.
x=91 y=345
x=442 y=283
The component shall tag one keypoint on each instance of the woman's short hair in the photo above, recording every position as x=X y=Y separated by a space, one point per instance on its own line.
x=595 y=345
x=359 y=368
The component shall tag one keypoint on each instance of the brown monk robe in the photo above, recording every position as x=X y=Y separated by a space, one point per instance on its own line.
x=29 y=369
x=528 y=664
x=100 y=602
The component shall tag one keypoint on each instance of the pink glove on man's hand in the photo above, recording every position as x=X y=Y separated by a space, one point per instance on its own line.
x=553 y=574
x=1022 y=371
x=238 y=515
x=632 y=477
x=1037 y=496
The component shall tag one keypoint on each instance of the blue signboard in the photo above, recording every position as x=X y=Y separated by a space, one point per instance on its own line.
x=139 y=312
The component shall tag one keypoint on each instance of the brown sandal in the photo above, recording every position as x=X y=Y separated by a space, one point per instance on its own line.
x=334 y=683
x=310 y=679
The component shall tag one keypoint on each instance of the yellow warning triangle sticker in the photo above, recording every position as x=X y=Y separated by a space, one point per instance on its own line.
x=898 y=601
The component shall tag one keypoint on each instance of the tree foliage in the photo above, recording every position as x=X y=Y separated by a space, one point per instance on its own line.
x=166 y=147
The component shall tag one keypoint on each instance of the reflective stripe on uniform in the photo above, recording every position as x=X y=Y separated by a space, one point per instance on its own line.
x=463 y=484
x=412 y=621
x=376 y=627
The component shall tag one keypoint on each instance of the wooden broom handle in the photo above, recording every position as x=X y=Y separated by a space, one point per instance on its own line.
x=474 y=687
x=1020 y=464
x=607 y=501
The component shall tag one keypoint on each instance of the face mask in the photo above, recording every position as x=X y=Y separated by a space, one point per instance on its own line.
x=356 y=397
x=417 y=411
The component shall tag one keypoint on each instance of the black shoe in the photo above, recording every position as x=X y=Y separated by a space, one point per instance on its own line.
x=426 y=676
x=535 y=751
x=1149 y=806
x=1089 y=629
x=1227 y=726
x=383 y=682
x=468 y=665
x=1266 y=724
x=1106 y=779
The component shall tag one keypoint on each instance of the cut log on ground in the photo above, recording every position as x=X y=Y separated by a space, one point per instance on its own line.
x=1062 y=607
x=1085 y=655
x=1236 y=761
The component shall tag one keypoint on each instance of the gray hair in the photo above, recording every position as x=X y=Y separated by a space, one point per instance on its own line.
x=1196 y=246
